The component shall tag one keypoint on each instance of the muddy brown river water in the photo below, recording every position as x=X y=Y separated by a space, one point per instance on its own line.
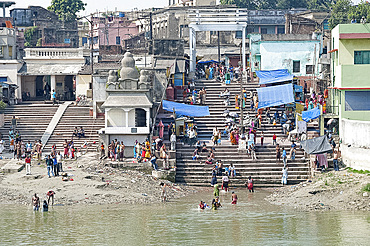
x=253 y=221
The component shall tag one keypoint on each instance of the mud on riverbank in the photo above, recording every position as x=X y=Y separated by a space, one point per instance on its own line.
x=93 y=183
x=342 y=190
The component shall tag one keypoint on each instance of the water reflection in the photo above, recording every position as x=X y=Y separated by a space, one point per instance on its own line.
x=251 y=222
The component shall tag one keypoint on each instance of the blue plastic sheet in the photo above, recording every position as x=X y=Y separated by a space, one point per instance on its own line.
x=275 y=95
x=185 y=109
x=205 y=62
x=311 y=114
x=274 y=76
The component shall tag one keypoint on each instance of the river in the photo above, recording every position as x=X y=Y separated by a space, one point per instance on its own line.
x=252 y=221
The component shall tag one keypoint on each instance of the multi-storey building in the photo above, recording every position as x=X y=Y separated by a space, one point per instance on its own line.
x=351 y=91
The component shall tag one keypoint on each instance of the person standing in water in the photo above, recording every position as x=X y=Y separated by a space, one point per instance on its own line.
x=234 y=198
x=249 y=184
x=216 y=191
x=35 y=202
x=45 y=206
x=164 y=192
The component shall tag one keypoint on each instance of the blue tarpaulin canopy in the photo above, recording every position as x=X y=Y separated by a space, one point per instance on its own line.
x=186 y=109
x=275 y=95
x=210 y=61
x=274 y=76
x=311 y=114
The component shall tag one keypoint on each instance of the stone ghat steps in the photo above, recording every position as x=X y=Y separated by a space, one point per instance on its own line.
x=265 y=170
x=32 y=123
x=234 y=182
x=76 y=116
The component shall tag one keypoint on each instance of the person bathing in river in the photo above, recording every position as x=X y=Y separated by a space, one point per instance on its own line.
x=36 y=202
x=249 y=184
x=216 y=191
x=234 y=198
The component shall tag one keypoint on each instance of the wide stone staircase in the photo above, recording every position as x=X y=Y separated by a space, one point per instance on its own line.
x=76 y=116
x=33 y=119
x=265 y=170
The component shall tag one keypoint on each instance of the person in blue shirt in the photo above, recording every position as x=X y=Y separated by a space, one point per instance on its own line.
x=54 y=97
x=284 y=156
x=292 y=150
x=55 y=166
x=49 y=164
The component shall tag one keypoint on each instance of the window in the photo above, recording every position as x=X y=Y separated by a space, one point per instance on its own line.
x=296 y=66
x=140 y=117
x=263 y=30
x=1 y=50
x=11 y=51
x=309 y=69
x=362 y=57
x=281 y=30
x=238 y=34
x=118 y=40
x=357 y=100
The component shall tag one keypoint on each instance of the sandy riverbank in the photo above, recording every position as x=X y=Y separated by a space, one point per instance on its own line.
x=93 y=183
x=342 y=190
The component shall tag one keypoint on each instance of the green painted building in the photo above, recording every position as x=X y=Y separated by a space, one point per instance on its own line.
x=350 y=90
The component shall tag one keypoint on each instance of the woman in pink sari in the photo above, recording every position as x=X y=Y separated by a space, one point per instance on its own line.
x=161 y=129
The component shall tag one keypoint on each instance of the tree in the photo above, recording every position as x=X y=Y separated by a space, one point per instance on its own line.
x=66 y=9
x=359 y=11
x=289 y=4
x=339 y=13
x=249 y=4
x=321 y=5
x=31 y=36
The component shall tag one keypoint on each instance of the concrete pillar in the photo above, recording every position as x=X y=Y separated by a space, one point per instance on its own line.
x=53 y=83
x=147 y=117
x=192 y=44
x=126 y=112
x=243 y=51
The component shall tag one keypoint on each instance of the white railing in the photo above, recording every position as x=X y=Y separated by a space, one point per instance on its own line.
x=54 y=53
x=218 y=15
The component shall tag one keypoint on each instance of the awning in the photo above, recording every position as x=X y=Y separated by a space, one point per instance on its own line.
x=274 y=76
x=186 y=109
x=311 y=114
x=127 y=101
x=317 y=145
x=275 y=95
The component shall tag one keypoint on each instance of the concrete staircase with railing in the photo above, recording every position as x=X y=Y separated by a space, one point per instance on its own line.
x=76 y=116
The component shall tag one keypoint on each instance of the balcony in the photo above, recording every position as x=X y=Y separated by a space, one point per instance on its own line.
x=72 y=54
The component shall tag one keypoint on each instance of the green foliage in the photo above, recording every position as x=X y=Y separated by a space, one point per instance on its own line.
x=349 y=169
x=357 y=12
x=67 y=9
x=39 y=42
x=366 y=188
x=343 y=12
x=280 y=4
x=2 y=106
x=339 y=13
x=31 y=36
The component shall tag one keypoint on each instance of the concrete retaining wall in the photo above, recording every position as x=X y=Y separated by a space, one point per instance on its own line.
x=355 y=145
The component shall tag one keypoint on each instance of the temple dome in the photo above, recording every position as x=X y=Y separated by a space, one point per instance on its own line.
x=128 y=70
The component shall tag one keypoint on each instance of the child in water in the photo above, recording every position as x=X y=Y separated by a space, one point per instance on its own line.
x=45 y=206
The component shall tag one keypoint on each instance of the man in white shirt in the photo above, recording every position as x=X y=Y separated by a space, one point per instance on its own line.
x=173 y=141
